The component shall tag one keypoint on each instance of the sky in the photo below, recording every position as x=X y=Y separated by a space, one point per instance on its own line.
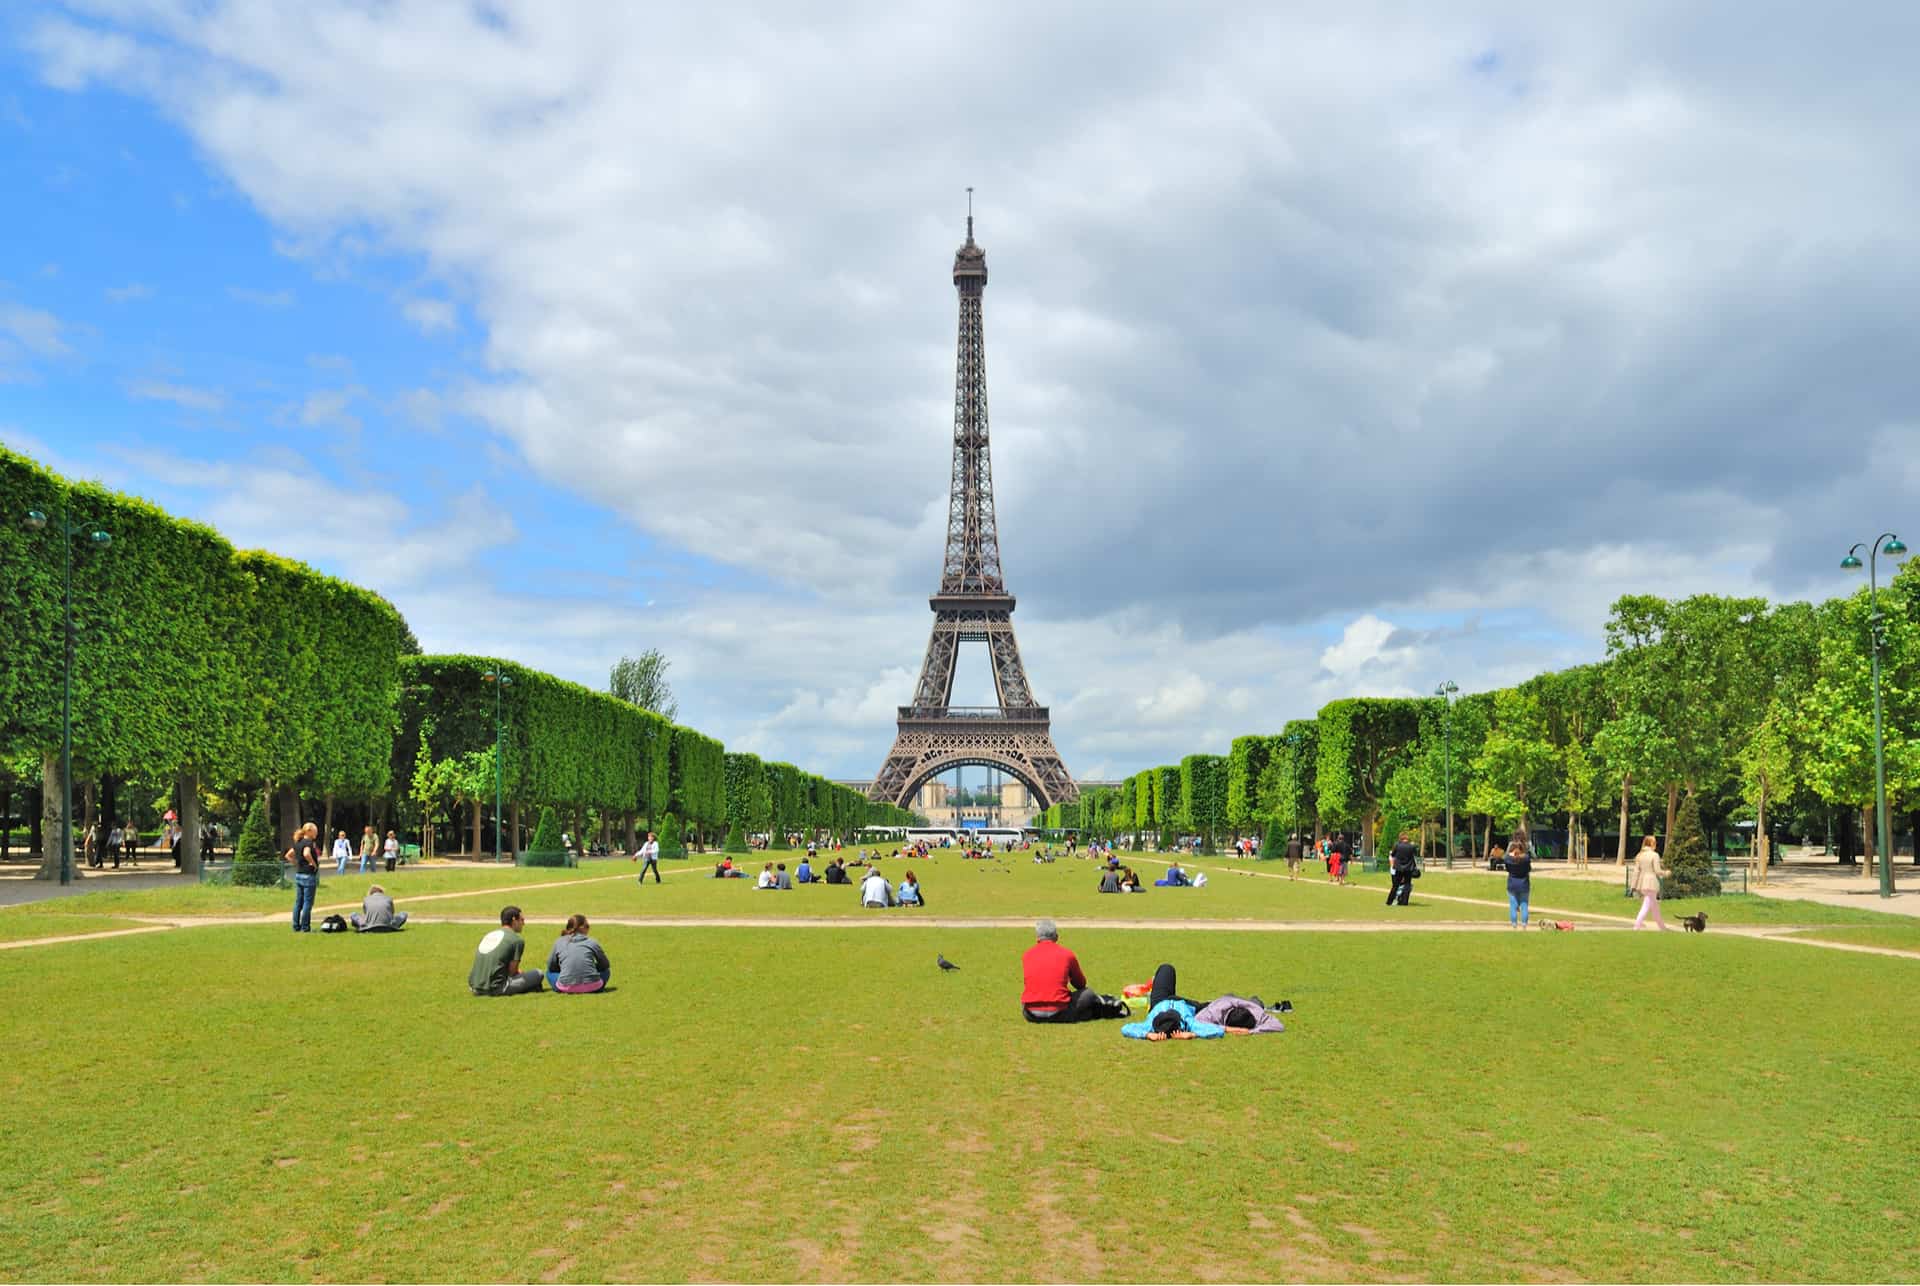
x=1331 y=350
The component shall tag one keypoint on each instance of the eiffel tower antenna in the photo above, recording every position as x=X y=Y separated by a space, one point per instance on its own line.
x=972 y=606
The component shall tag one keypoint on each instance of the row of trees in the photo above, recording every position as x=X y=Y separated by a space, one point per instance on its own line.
x=780 y=800
x=205 y=672
x=1758 y=713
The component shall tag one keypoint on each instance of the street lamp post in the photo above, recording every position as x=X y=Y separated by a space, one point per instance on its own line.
x=1447 y=692
x=1893 y=547
x=1293 y=804
x=38 y=521
x=499 y=679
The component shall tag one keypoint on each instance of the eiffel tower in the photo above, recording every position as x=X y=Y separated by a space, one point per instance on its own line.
x=973 y=606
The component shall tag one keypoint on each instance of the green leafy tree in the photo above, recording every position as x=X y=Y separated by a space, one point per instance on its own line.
x=671 y=845
x=642 y=681
x=1686 y=856
x=1246 y=768
x=1514 y=772
x=546 y=849
x=255 y=860
x=1767 y=774
x=1361 y=741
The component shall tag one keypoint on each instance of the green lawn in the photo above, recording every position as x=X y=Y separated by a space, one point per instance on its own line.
x=30 y=922
x=1903 y=936
x=190 y=898
x=956 y=887
x=767 y=1104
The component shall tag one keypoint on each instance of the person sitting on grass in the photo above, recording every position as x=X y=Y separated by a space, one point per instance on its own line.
x=1129 y=881
x=496 y=964
x=766 y=877
x=803 y=874
x=1109 y=881
x=1175 y=878
x=1056 y=991
x=837 y=872
x=376 y=913
x=874 y=890
x=909 y=894
x=781 y=880
x=577 y=965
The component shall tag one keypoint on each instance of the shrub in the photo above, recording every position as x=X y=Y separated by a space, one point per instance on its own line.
x=1687 y=856
x=255 y=862
x=736 y=839
x=1274 y=842
x=671 y=844
x=545 y=849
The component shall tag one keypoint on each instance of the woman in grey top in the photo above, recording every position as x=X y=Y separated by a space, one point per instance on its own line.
x=577 y=964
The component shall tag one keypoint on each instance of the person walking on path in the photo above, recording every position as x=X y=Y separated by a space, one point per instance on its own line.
x=305 y=856
x=342 y=852
x=391 y=849
x=369 y=845
x=1294 y=852
x=1338 y=855
x=1519 y=881
x=649 y=858
x=1648 y=871
x=1404 y=864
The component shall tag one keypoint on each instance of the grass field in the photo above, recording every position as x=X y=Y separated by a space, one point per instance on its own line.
x=763 y=1103
x=1903 y=936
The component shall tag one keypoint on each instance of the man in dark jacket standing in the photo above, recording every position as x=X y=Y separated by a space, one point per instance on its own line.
x=1406 y=861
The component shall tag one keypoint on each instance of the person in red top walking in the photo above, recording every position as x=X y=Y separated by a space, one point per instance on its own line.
x=1056 y=990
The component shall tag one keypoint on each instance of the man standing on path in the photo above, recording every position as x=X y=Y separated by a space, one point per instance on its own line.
x=369 y=845
x=1405 y=862
x=649 y=858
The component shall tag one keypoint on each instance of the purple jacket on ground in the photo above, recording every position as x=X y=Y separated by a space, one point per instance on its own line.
x=1216 y=1012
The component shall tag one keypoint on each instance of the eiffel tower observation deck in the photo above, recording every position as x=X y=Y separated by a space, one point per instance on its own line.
x=972 y=605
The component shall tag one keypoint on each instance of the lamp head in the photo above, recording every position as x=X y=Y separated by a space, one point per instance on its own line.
x=1894 y=548
x=1850 y=564
x=99 y=538
x=35 y=520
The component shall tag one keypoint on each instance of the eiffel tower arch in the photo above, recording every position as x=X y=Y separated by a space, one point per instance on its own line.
x=972 y=606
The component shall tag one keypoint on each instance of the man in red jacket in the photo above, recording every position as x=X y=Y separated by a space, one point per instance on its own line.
x=1056 y=991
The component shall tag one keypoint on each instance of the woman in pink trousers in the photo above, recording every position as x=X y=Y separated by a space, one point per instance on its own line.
x=1647 y=873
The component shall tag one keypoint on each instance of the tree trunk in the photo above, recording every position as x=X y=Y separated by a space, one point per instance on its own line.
x=1626 y=789
x=35 y=811
x=1761 y=844
x=513 y=839
x=476 y=827
x=51 y=802
x=188 y=789
x=6 y=819
x=289 y=816
x=627 y=825
x=1869 y=840
x=1673 y=810
x=326 y=823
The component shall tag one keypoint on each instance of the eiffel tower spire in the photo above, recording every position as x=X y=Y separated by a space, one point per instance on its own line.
x=972 y=605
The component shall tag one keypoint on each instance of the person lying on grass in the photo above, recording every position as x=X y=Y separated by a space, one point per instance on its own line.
x=577 y=965
x=376 y=913
x=496 y=964
x=1174 y=1017
x=1056 y=990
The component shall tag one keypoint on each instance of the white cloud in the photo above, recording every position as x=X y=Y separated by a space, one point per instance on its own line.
x=270 y=299
x=181 y=395
x=432 y=316
x=28 y=336
x=129 y=293
x=331 y=408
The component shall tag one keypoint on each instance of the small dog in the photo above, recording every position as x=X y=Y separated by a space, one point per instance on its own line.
x=1558 y=926
x=1696 y=923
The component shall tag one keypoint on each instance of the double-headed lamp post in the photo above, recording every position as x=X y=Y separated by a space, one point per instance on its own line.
x=499 y=679
x=67 y=530
x=1448 y=692
x=1893 y=547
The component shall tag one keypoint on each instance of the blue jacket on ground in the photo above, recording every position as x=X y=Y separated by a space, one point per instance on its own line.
x=1141 y=1030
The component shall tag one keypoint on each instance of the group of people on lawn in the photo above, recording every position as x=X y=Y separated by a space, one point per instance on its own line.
x=874 y=889
x=1056 y=991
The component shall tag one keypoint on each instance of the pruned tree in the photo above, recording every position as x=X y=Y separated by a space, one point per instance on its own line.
x=642 y=681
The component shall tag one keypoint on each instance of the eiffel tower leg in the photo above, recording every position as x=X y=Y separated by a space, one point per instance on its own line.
x=1009 y=675
x=936 y=671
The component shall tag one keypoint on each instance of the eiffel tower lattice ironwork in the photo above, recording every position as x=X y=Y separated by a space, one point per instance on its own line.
x=973 y=606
